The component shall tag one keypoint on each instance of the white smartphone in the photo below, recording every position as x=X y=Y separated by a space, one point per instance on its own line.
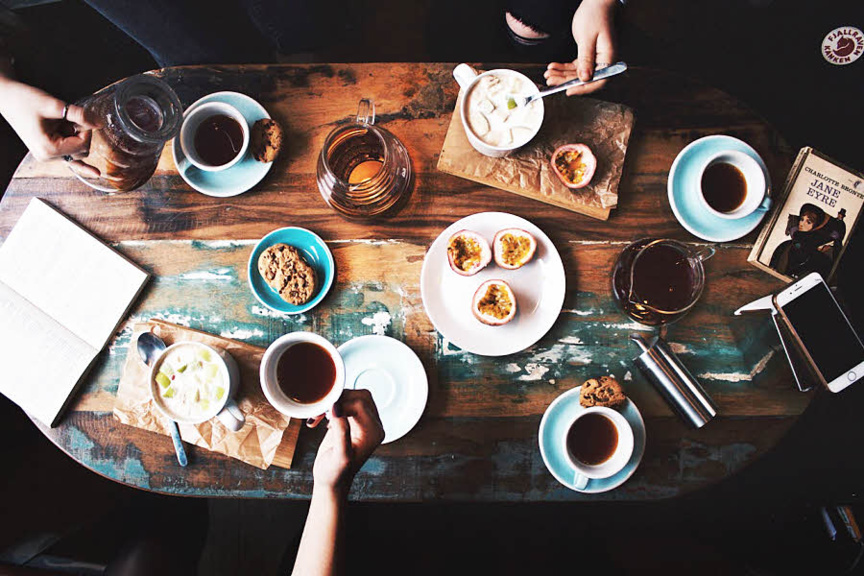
x=824 y=331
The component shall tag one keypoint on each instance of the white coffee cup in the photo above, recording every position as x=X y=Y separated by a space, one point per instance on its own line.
x=270 y=384
x=226 y=409
x=193 y=118
x=756 y=191
x=467 y=78
x=614 y=463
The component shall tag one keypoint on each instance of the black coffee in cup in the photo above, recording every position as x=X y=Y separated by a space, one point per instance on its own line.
x=305 y=372
x=592 y=439
x=724 y=187
x=218 y=139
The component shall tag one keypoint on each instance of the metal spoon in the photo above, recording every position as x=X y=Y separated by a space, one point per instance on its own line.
x=611 y=70
x=150 y=347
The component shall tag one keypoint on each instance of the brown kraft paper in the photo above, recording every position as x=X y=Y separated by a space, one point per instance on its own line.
x=603 y=126
x=268 y=437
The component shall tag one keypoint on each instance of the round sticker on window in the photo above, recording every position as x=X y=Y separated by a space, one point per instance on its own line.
x=843 y=45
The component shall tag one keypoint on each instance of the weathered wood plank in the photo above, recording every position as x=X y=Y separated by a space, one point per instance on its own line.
x=203 y=284
x=478 y=436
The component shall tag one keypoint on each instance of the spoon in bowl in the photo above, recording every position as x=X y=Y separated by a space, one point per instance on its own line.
x=150 y=347
x=611 y=70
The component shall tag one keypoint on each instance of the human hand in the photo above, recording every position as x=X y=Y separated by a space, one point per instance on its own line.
x=38 y=119
x=353 y=433
x=594 y=34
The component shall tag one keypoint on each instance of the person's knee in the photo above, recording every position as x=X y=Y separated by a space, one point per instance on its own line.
x=523 y=30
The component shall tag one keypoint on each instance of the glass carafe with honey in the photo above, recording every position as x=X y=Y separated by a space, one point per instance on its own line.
x=364 y=171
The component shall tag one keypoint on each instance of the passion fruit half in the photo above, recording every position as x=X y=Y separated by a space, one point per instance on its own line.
x=494 y=303
x=468 y=252
x=513 y=248
x=574 y=164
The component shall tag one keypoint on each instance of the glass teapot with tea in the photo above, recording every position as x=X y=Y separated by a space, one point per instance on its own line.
x=134 y=119
x=364 y=172
x=657 y=281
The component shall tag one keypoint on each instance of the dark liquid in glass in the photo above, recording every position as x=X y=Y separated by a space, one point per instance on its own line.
x=592 y=439
x=663 y=278
x=218 y=139
x=305 y=372
x=724 y=187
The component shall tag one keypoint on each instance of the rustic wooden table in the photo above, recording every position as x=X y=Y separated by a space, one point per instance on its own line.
x=477 y=439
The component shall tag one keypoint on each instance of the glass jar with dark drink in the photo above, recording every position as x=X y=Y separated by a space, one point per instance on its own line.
x=135 y=118
x=657 y=281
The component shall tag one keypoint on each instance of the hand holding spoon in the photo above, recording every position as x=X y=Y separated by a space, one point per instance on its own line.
x=150 y=347
x=611 y=70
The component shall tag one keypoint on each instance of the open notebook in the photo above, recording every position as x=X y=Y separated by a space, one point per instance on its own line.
x=62 y=294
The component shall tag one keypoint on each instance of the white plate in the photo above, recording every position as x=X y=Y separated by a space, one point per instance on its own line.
x=394 y=375
x=539 y=286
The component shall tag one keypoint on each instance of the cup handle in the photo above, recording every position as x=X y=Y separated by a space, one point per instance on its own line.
x=765 y=205
x=580 y=481
x=366 y=112
x=705 y=253
x=231 y=416
x=464 y=75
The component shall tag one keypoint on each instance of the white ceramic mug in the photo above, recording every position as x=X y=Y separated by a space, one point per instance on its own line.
x=270 y=384
x=226 y=409
x=756 y=190
x=193 y=118
x=612 y=465
x=467 y=77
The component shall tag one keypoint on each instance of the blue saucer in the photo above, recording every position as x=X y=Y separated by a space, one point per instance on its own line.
x=683 y=185
x=244 y=174
x=316 y=253
x=558 y=416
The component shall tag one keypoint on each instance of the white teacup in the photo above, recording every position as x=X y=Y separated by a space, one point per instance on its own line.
x=225 y=408
x=755 y=195
x=615 y=462
x=193 y=119
x=270 y=384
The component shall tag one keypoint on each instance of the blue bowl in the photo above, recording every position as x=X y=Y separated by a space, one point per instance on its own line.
x=316 y=253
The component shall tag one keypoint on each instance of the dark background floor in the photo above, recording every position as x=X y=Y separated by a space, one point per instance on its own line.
x=764 y=520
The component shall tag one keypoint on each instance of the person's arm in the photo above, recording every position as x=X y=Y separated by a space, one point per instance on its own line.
x=594 y=33
x=38 y=119
x=353 y=433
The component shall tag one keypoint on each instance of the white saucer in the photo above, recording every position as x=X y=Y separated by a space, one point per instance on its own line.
x=683 y=190
x=554 y=424
x=539 y=286
x=244 y=174
x=394 y=375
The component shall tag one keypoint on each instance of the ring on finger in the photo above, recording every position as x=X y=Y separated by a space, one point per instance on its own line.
x=67 y=158
x=65 y=110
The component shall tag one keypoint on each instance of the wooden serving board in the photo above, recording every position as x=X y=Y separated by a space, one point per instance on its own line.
x=604 y=126
x=267 y=438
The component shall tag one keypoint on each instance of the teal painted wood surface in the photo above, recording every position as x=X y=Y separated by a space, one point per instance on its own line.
x=477 y=439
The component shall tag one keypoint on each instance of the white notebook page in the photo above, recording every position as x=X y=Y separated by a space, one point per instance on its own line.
x=68 y=274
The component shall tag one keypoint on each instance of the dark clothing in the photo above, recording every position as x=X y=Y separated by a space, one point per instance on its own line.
x=801 y=255
x=185 y=32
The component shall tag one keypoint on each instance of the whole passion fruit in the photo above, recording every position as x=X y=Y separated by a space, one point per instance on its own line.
x=494 y=303
x=513 y=248
x=574 y=164
x=468 y=252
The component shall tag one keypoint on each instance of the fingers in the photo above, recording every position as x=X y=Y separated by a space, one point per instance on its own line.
x=360 y=405
x=75 y=114
x=70 y=145
x=340 y=435
x=314 y=421
x=85 y=170
x=586 y=60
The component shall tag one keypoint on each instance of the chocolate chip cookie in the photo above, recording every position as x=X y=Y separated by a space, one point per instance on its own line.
x=287 y=272
x=265 y=140
x=603 y=391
